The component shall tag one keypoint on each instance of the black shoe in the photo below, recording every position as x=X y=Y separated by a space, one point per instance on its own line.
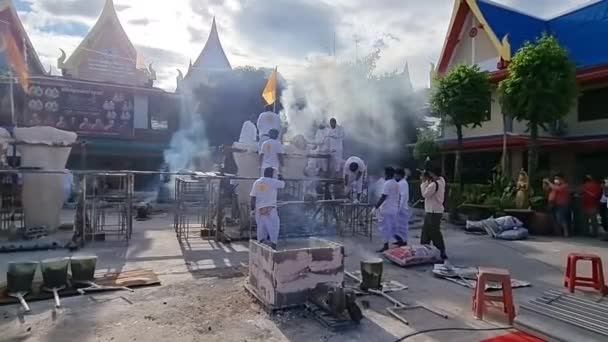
x=383 y=249
x=401 y=243
x=273 y=246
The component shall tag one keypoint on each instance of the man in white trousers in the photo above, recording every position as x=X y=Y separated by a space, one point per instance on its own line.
x=264 y=204
x=355 y=172
x=403 y=214
x=336 y=145
x=387 y=209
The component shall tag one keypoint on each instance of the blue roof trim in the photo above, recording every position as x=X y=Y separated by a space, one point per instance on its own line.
x=582 y=31
x=520 y=27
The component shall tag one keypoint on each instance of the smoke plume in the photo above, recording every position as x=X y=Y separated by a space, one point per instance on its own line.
x=189 y=142
x=373 y=109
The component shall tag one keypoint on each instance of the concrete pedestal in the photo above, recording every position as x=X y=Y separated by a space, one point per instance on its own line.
x=283 y=278
x=43 y=194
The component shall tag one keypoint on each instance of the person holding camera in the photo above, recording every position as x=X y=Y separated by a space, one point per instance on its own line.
x=432 y=188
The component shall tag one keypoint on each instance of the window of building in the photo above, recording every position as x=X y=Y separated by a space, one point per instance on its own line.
x=592 y=105
x=159 y=119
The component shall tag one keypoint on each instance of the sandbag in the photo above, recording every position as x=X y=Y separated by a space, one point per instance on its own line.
x=413 y=255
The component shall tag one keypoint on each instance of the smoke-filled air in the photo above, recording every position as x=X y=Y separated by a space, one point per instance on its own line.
x=371 y=107
x=189 y=143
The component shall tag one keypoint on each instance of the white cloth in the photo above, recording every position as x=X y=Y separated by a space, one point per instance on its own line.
x=336 y=146
x=433 y=193
x=358 y=161
x=391 y=203
x=248 y=133
x=354 y=184
x=387 y=224
x=270 y=151
x=266 y=122
x=403 y=223
x=336 y=138
x=68 y=184
x=404 y=195
x=265 y=192
x=337 y=160
x=322 y=140
x=268 y=226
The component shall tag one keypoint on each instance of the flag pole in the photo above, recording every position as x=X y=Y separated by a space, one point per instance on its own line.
x=12 y=96
x=274 y=105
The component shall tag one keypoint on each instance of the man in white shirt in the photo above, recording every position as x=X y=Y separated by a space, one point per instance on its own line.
x=433 y=192
x=403 y=215
x=355 y=171
x=266 y=122
x=322 y=142
x=264 y=204
x=336 y=145
x=271 y=152
x=387 y=208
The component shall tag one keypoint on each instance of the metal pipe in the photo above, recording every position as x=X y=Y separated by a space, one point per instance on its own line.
x=547 y=312
x=575 y=305
x=567 y=317
x=568 y=310
x=578 y=299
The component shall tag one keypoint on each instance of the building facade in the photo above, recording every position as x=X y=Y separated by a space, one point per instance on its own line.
x=105 y=94
x=488 y=34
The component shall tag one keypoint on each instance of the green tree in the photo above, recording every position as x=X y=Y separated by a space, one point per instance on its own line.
x=227 y=99
x=426 y=145
x=462 y=98
x=540 y=89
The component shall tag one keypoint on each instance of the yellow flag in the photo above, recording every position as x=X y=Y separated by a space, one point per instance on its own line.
x=15 y=58
x=270 y=91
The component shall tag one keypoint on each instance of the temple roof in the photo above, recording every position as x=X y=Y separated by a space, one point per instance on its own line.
x=213 y=57
x=8 y=14
x=582 y=31
x=106 y=41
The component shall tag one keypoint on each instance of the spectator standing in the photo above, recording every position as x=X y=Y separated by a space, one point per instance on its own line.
x=590 y=200
x=433 y=192
x=604 y=205
x=559 y=200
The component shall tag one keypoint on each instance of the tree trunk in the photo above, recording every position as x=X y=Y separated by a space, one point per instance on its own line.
x=533 y=153
x=457 y=161
x=506 y=158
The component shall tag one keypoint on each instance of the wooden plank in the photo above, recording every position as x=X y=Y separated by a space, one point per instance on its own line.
x=133 y=279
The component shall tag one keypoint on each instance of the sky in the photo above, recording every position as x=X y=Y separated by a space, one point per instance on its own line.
x=263 y=33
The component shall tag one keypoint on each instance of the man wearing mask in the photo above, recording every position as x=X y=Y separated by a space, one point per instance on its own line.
x=403 y=215
x=336 y=145
x=432 y=188
x=387 y=208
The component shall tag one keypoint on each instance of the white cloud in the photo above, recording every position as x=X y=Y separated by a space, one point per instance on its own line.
x=268 y=32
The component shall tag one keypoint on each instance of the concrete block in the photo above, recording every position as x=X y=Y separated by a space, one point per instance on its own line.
x=282 y=278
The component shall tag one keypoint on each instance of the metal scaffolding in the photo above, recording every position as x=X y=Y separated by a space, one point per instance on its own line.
x=196 y=204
